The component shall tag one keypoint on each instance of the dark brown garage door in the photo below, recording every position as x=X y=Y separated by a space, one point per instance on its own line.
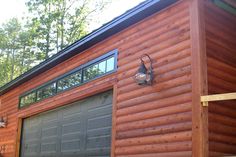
x=82 y=129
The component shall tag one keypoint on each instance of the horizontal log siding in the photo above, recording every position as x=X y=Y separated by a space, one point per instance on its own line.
x=156 y=120
x=149 y=120
x=221 y=46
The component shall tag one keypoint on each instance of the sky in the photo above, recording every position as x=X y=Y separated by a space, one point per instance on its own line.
x=16 y=8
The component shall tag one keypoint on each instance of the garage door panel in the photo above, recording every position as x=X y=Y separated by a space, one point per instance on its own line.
x=98 y=152
x=32 y=136
x=49 y=131
x=74 y=127
x=99 y=111
x=98 y=156
x=99 y=132
x=98 y=142
x=72 y=110
x=49 y=124
x=35 y=121
x=71 y=145
x=81 y=129
x=71 y=118
x=31 y=150
x=49 y=117
x=50 y=147
x=71 y=136
x=33 y=128
x=99 y=122
x=100 y=100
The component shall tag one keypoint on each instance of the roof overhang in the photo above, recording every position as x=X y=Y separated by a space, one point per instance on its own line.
x=231 y=3
x=227 y=5
x=118 y=24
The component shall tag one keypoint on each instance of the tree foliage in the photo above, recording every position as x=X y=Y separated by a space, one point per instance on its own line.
x=51 y=26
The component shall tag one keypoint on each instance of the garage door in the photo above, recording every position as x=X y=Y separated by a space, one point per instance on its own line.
x=82 y=129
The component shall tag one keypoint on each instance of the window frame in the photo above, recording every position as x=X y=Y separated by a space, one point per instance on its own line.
x=105 y=57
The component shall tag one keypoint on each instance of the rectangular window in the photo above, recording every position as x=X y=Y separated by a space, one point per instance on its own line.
x=46 y=91
x=91 y=72
x=102 y=67
x=98 y=67
x=27 y=99
x=110 y=64
x=69 y=81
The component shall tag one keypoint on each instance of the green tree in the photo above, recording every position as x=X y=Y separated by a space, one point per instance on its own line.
x=17 y=53
x=51 y=26
x=61 y=22
x=10 y=45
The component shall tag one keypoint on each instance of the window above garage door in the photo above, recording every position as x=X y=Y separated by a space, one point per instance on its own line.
x=94 y=69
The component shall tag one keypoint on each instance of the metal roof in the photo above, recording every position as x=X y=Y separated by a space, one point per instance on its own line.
x=118 y=24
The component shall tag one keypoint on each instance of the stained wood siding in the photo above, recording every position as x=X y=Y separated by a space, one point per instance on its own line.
x=148 y=121
x=156 y=120
x=221 y=52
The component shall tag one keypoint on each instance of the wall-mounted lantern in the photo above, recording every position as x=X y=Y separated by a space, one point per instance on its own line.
x=3 y=122
x=144 y=76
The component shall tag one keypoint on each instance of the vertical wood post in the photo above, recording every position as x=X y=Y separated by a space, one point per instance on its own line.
x=18 y=137
x=199 y=79
x=113 y=139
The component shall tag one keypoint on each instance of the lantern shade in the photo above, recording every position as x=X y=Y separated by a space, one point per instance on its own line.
x=143 y=75
x=140 y=78
x=142 y=68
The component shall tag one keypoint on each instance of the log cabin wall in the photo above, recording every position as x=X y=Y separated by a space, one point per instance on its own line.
x=148 y=121
x=155 y=121
x=221 y=58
